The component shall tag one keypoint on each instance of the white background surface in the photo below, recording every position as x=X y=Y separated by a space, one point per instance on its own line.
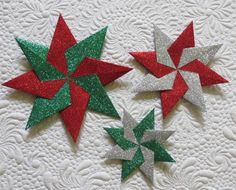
x=204 y=145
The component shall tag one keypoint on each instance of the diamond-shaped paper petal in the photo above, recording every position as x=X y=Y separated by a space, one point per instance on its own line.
x=194 y=93
x=129 y=124
x=129 y=166
x=151 y=83
x=89 y=47
x=29 y=82
x=169 y=98
x=61 y=41
x=117 y=135
x=207 y=76
x=148 y=164
x=44 y=108
x=99 y=100
x=118 y=153
x=149 y=61
x=146 y=124
x=160 y=154
x=162 y=43
x=106 y=72
x=73 y=115
x=203 y=54
x=37 y=56
x=160 y=136
x=185 y=40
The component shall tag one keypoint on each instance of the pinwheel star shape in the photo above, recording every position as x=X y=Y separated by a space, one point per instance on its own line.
x=138 y=145
x=178 y=69
x=67 y=78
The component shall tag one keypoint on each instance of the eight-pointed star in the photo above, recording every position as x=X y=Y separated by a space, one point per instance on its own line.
x=138 y=145
x=178 y=69
x=67 y=78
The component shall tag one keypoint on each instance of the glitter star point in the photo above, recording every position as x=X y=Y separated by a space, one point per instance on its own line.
x=177 y=69
x=67 y=78
x=139 y=145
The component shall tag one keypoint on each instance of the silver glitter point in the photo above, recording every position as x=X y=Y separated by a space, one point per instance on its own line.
x=118 y=153
x=152 y=83
x=162 y=40
x=148 y=165
x=162 y=43
x=194 y=93
x=160 y=136
x=203 y=54
x=129 y=124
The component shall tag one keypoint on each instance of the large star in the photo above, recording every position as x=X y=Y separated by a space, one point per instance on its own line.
x=178 y=69
x=67 y=78
x=138 y=145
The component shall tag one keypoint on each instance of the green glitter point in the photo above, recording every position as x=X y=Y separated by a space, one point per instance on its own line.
x=44 y=108
x=117 y=135
x=146 y=124
x=37 y=56
x=129 y=166
x=89 y=47
x=160 y=153
x=99 y=100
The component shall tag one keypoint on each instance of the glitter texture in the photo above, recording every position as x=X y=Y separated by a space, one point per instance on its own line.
x=129 y=166
x=89 y=47
x=188 y=61
x=44 y=108
x=160 y=136
x=106 y=72
x=36 y=54
x=144 y=151
x=118 y=153
x=148 y=164
x=117 y=134
x=99 y=100
x=74 y=92
x=162 y=43
x=29 y=82
x=194 y=93
x=56 y=54
x=203 y=54
x=151 y=83
x=159 y=152
x=73 y=115
x=129 y=123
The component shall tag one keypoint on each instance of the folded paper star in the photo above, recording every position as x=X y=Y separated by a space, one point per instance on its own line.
x=138 y=145
x=67 y=78
x=178 y=69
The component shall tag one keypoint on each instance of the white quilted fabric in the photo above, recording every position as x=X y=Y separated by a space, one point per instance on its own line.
x=204 y=145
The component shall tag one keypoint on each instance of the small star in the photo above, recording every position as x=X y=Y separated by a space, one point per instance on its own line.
x=138 y=145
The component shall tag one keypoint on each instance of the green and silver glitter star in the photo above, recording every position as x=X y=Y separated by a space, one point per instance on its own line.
x=138 y=145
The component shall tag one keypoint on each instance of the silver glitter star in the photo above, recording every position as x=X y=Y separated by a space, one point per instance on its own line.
x=148 y=155
x=194 y=93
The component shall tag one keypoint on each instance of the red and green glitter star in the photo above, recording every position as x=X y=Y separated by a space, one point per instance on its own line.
x=67 y=78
